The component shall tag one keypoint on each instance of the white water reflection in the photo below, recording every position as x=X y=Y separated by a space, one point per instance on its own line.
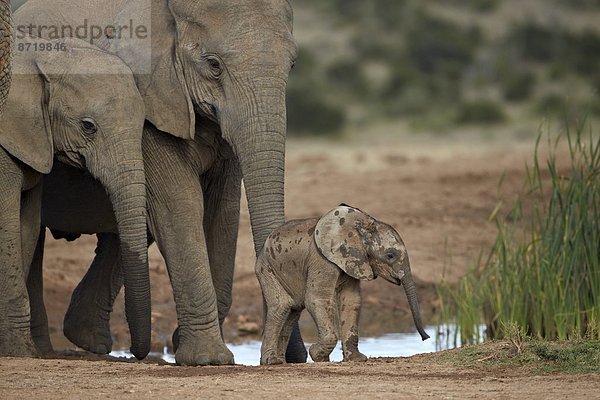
x=389 y=345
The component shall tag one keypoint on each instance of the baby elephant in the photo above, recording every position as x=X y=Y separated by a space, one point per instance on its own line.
x=75 y=102
x=318 y=264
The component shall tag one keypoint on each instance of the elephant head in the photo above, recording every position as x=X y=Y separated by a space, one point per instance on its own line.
x=365 y=248
x=61 y=106
x=6 y=50
x=228 y=62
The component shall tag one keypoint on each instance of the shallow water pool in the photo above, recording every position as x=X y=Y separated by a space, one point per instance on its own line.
x=389 y=345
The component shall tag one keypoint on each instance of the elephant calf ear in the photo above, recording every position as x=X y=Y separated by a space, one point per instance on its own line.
x=25 y=126
x=338 y=239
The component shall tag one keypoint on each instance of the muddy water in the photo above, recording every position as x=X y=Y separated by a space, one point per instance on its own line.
x=389 y=345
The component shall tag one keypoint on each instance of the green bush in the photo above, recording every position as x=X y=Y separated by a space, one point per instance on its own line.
x=308 y=113
x=347 y=75
x=537 y=42
x=390 y=13
x=480 y=112
x=475 y=5
x=308 y=109
x=347 y=9
x=437 y=46
x=583 y=53
x=578 y=52
x=551 y=104
x=412 y=101
x=581 y=4
x=518 y=86
x=593 y=105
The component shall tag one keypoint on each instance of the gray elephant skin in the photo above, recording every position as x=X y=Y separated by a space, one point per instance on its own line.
x=6 y=50
x=222 y=62
x=318 y=263
x=47 y=116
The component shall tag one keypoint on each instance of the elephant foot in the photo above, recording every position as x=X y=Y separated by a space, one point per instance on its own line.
x=271 y=358
x=43 y=345
x=17 y=344
x=318 y=353
x=355 y=356
x=89 y=331
x=201 y=350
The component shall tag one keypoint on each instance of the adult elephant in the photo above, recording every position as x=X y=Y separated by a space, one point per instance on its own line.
x=6 y=50
x=214 y=60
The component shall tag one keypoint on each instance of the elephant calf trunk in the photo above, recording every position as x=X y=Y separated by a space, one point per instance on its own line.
x=424 y=335
x=411 y=294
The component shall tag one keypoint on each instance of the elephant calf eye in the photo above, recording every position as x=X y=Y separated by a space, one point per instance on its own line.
x=391 y=255
x=88 y=126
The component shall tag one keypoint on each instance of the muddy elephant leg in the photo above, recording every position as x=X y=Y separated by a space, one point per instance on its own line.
x=349 y=301
x=175 y=210
x=15 y=335
x=222 y=191
x=278 y=309
x=322 y=306
x=35 y=288
x=86 y=322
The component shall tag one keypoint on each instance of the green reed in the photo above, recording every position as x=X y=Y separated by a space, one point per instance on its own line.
x=542 y=272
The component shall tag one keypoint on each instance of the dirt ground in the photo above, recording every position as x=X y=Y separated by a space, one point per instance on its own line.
x=437 y=191
x=421 y=376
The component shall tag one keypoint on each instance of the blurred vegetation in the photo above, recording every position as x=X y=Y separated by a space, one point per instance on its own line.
x=411 y=60
x=542 y=275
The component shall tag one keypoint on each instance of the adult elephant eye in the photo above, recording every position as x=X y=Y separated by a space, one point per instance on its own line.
x=88 y=125
x=215 y=66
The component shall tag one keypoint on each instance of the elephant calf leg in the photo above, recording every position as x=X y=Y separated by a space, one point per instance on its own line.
x=278 y=314
x=323 y=312
x=349 y=302
x=86 y=322
x=35 y=287
x=279 y=317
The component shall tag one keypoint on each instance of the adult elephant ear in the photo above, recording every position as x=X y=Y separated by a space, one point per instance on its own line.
x=25 y=129
x=151 y=53
x=340 y=237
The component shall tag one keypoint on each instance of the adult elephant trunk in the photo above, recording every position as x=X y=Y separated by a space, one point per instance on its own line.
x=124 y=181
x=258 y=137
x=6 y=50
x=411 y=294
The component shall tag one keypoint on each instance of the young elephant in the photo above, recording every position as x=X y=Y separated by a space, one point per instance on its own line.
x=71 y=101
x=318 y=264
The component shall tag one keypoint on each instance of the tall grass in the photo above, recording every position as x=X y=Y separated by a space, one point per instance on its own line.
x=542 y=273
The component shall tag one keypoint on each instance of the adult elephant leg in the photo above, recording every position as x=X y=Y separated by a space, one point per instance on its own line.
x=222 y=191
x=15 y=336
x=86 y=322
x=35 y=288
x=286 y=332
x=296 y=350
x=176 y=211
